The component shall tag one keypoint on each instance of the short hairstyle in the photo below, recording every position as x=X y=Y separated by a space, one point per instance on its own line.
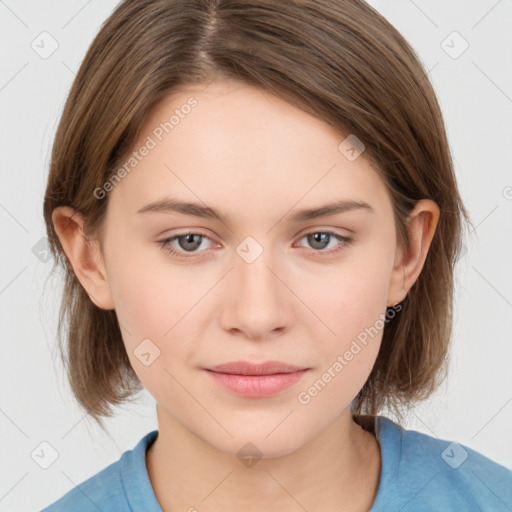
x=339 y=60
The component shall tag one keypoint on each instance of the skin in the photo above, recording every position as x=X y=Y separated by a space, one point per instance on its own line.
x=258 y=159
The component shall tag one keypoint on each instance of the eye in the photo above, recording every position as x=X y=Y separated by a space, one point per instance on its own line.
x=319 y=240
x=191 y=241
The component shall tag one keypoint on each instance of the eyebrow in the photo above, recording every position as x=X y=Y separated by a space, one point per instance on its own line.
x=169 y=205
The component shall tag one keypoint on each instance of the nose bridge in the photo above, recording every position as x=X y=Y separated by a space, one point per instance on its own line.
x=256 y=295
x=252 y=269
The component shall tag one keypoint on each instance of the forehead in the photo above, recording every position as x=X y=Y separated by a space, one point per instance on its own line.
x=228 y=140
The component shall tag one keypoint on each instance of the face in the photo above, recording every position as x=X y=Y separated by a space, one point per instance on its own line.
x=260 y=283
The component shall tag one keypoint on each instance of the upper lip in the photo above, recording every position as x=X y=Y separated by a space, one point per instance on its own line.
x=248 y=368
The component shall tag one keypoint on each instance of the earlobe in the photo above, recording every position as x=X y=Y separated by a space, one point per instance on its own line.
x=423 y=221
x=84 y=255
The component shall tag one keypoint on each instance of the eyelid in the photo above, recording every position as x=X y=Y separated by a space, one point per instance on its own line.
x=325 y=229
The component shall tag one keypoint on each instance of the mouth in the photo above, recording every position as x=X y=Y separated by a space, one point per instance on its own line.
x=248 y=368
x=256 y=380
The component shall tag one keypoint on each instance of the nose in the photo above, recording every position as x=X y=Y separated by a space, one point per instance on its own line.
x=258 y=302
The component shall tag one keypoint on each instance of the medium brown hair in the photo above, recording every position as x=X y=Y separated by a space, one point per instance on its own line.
x=339 y=60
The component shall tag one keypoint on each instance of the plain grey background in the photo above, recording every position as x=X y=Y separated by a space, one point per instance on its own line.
x=474 y=87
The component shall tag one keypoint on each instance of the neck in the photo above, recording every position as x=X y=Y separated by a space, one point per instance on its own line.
x=339 y=470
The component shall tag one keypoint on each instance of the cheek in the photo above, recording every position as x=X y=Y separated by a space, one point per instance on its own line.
x=349 y=299
x=150 y=295
x=356 y=314
x=351 y=304
x=158 y=307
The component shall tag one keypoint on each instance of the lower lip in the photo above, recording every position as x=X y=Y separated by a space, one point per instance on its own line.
x=257 y=385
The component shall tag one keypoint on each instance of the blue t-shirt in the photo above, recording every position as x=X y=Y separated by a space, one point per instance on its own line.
x=419 y=473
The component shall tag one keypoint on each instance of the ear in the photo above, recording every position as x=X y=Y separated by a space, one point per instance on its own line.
x=84 y=255
x=408 y=265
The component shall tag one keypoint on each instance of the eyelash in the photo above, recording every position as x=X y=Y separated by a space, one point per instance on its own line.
x=165 y=244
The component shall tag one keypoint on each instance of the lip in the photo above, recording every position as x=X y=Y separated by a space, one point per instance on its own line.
x=249 y=368
x=256 y=380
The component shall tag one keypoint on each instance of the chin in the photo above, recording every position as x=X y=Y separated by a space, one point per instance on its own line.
x=249 y=443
